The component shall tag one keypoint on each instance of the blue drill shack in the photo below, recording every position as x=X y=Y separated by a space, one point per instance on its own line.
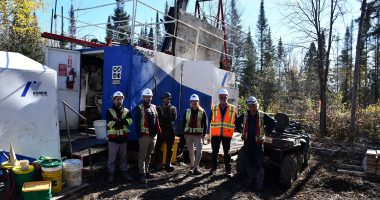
x=102 y=71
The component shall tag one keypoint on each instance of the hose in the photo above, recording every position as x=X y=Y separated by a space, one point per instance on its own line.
x=7 y=177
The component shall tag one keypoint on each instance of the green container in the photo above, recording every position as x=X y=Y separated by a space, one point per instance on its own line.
x=40 y=190
x=22 y=176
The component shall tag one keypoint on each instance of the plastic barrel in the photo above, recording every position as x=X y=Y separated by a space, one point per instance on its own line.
x=22 y=176
x=52 y=171
x=100 y=129
x=72 y=172
x=174 y=155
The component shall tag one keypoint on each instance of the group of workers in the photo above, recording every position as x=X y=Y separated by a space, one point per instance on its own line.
x=157 y=123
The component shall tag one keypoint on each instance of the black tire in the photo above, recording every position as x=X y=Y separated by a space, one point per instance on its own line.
x=288 y=170
x=306 y=157
x=241 y=163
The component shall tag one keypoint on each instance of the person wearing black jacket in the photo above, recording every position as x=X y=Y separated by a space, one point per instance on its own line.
x=118 y=121
x=254 y=124
x=147 y=128
x=167 y=114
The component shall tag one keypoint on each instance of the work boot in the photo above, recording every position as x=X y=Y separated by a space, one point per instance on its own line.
x=159 y=167
x=148 y=175
x=212 y=171
x=169 y=168
x=197 y=172
x=126 y=176
x=110 y=178
x=142 y=178
x=229 y=174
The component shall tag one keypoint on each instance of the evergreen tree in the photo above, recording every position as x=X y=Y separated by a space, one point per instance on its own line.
x=280 y=59
x=72 y=25
x=311 y=72
x=109 y=31
x=158 y=33
x=248 y=79
x=346 y=62
x=261 y=35
x=121 y=24
x=268 y=86
x=234 y=36
x=150 y=38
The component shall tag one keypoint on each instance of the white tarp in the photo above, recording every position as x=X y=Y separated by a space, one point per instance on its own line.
x=28 y=107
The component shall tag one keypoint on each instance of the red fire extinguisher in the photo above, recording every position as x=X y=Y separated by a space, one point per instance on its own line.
x=71 y=79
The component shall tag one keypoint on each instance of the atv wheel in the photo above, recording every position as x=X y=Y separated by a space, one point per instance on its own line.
x=241 y=163
x=288 y=171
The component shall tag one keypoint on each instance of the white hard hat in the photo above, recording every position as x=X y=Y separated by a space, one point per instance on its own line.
x=194 y=97
x=117 y=94
x=147 y=92
x=251 y=100
x=223 y=91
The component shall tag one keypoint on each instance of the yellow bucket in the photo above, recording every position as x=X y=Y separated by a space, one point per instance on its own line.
x=52 y=171
x=174 y=155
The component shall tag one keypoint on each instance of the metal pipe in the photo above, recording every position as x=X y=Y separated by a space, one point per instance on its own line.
x=87 y=135
x=68 y=130
x=133 y=19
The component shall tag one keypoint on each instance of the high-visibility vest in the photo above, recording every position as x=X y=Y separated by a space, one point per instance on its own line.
x=113 y=133
x=199 y=128
x=260 y=134
x=145 y=129
x=223 y=127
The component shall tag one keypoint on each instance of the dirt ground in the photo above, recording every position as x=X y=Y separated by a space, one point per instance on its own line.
x=320 y=180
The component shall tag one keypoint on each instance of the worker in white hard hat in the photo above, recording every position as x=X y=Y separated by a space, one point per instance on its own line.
x=254 y=124
x=147 y=128
x=118 y=121
x=195 y=125
x=222 y=125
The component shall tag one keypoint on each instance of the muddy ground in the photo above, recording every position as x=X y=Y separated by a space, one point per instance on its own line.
x=320 y=180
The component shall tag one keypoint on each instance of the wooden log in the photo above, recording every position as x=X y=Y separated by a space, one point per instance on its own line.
x=69 y=191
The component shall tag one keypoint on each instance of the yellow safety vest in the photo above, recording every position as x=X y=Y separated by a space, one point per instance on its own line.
x=199 y=128
x=258 y=137
x=144 y=129
x=113 y=133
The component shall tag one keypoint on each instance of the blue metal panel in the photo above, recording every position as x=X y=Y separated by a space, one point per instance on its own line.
x=138 y=73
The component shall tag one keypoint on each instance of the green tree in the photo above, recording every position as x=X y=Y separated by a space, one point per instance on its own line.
x=280 y=60
x=346 y=62
x=261 y=35
x=310 y=69
x=109 y=29
x=158 y=32
x=19 y=31
x=234 y=36
x=248 y=80
x=121 y=24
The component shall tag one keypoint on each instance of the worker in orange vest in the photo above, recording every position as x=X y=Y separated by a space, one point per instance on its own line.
x=222 y=126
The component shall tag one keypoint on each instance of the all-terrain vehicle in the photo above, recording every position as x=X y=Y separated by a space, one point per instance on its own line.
x=286 y=148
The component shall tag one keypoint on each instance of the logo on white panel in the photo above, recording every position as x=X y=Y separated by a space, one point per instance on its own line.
x=35 y=85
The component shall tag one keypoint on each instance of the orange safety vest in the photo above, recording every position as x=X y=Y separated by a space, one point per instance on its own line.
x=223 y=127
x=113 y=133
